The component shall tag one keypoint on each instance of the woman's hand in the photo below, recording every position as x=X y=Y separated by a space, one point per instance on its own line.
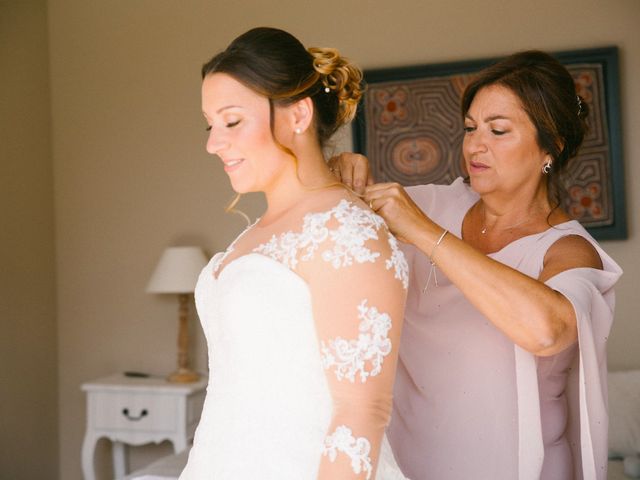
x=352 y=169
x=404 y=218
x=389 y=200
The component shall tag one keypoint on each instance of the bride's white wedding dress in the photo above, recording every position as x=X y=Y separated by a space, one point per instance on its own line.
x=302 y=332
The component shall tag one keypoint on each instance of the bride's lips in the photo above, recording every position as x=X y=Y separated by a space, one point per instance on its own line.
x=231 y=165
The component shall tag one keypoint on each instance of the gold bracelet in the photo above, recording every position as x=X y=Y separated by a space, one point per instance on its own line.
x=432 y=270
x=444 y=233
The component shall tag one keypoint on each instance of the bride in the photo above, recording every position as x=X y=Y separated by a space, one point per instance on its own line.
x=303 y=311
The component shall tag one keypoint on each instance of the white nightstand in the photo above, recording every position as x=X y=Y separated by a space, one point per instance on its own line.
x=135 y=411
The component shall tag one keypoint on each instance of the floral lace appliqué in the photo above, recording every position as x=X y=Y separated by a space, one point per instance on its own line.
x=355 y=226
x=350 y=357
x=358 y=449
x=284 y=248
x=398 y=262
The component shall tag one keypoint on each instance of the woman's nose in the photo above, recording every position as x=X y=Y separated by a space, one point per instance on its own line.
x=474 y=142
x=215 y=143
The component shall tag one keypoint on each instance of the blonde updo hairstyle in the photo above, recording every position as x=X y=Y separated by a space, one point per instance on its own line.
x=274 y=64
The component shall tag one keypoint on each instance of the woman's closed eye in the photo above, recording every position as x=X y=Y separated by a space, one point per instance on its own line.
x=227 y=125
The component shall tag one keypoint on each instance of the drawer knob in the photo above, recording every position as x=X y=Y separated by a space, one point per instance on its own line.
x=143 y=413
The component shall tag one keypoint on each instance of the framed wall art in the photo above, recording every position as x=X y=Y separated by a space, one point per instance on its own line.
x=410 y=128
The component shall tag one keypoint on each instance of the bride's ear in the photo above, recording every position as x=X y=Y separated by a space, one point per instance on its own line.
x=302 y=115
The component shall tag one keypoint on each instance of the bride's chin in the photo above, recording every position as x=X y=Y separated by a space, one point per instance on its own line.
x=241 y=188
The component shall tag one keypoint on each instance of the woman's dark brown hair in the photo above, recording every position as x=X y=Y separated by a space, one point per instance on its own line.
x=273 y=63
x=547 y=94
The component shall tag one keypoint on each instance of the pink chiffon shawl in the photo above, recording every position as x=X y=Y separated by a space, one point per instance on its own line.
x=468 y=403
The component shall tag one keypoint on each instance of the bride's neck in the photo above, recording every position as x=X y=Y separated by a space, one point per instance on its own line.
x=306 y=176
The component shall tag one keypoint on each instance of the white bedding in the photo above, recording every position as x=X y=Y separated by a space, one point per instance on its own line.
x=622 y=403
x=169 y=468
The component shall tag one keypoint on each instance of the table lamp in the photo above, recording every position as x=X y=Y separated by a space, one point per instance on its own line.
x=177 y=273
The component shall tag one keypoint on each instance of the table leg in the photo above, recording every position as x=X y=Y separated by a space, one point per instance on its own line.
x=179 y=444
x=119 y=450
x=88 y=448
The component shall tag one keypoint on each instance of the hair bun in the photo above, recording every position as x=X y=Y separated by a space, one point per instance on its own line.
x=276 y=65
x=341 y=77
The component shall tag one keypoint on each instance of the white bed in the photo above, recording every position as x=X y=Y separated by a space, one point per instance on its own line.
x=624 y=432
x=169 y=468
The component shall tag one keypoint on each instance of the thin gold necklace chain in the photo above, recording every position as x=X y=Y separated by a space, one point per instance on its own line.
x=484 y=222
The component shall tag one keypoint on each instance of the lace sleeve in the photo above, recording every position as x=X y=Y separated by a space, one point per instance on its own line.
x=358 y=280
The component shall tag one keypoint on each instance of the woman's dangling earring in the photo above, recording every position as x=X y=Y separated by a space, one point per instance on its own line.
x=547 y=167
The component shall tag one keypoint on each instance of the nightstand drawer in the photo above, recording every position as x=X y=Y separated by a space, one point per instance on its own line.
x=135 y=412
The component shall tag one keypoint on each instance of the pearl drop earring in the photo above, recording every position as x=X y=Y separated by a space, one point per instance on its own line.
x=298 y=131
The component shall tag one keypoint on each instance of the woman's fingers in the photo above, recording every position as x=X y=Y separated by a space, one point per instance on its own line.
x=361 y=175
x=402 y=215
x=335 y=170
x=379 y=195
x=352 y=169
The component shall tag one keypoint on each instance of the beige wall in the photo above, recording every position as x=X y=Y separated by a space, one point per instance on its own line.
x=132 y=177
x=28 y=378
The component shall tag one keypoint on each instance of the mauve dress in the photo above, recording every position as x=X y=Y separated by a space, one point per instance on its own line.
x=468 y=403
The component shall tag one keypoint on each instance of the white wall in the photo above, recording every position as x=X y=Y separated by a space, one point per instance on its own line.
x=28 y=375
x=132 y=176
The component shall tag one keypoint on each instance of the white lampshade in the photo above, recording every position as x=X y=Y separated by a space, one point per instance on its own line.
x=177 y=271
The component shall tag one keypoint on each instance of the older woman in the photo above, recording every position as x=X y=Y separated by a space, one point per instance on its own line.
x=502 y=362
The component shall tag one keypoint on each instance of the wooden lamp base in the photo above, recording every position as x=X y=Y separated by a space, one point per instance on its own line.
x=183 y=374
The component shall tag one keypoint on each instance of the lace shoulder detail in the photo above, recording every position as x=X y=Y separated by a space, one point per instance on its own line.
x=348 y=240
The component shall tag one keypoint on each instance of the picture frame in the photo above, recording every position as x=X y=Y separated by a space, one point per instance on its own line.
x=410 y=127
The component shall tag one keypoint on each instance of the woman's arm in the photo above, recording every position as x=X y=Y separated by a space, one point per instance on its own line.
x=532 y=315
x=357 y=280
